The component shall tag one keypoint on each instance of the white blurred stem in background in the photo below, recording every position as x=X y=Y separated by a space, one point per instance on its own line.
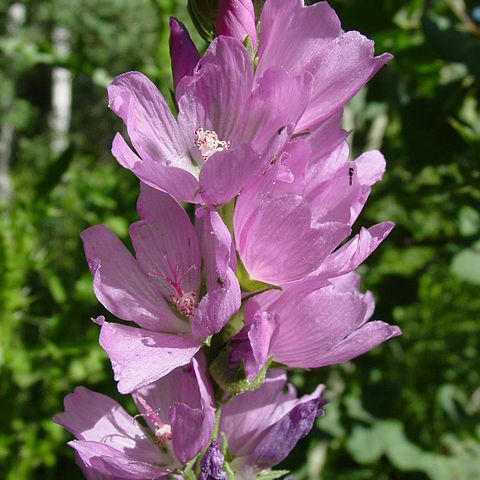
x=61 y=93
x=16 y=18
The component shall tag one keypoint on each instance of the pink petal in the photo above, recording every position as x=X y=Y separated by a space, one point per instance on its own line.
x=94 y=417
x=226 y=173
x=236 y=18
x=191 y=430
x=165 y=242
x=359 y=342
x=279 y=99
x=121 y=285
x=150 y=124
x=340 y=71
x=178 y=182
x=216 y=98
x=140 y=356
x=353 y=253
x=291 y=34
x=279 y=244
x=114 y=464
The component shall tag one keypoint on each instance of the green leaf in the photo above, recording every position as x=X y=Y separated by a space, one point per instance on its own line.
x=466 y=265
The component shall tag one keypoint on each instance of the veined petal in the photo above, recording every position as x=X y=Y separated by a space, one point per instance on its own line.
x=165 y=242
x=111 y=463
x=94 y=417
x=236 y=18
x=340 y=71
x=292 y=34
x=217 y=306
x=281 y=244
x=327 y=316
x=223 y=296
x=140 y=356
x=279 y=99
x=366 y=338
x=353 y=253
x=121 y=285
x=178 y=182
x=226 y=173
x=191 y=429
x=215 y=100
x=150 y=124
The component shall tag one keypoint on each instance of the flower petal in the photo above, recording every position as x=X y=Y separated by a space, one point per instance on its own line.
x=279 y=244
x=191 y=429
x=150 y=124
x=226 y=173
x=279 y=99
x=94 y=417
x=353 y=253
x=165 y=242
x=140 y=356
x=178 y=182
x=121 y=285
x=236 y=18
x=113 y=463
x=216 y=98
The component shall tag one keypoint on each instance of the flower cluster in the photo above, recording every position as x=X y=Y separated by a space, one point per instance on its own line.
x=262 y=279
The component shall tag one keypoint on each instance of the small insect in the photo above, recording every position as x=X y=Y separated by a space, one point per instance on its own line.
x=221 y=281
x=350 y=175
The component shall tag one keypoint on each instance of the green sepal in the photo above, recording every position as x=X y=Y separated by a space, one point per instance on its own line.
x=234 y=325
x=233 y=379
x=249 y=285
x=247 y=43
x=204 y=14
x=188 y=473
x=272 y=474
x=227 y=458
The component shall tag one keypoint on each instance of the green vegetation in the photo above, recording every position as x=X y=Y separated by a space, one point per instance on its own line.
x=408 y=410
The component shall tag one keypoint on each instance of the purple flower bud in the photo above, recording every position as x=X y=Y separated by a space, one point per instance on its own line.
x=236 y=18
x=283 y=436
x=183 y=53
x=212 y=463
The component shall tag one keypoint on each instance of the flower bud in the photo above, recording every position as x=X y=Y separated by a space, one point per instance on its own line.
x=236 y=18
x=183 y=53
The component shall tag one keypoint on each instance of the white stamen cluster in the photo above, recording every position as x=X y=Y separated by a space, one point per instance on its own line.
x=163 y=433
x=208 y=143
x=186 y=303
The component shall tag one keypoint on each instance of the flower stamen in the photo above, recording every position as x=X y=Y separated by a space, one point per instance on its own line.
x=208 y=143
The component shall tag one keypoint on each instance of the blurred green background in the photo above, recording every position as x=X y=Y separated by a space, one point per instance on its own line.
x=408 y=410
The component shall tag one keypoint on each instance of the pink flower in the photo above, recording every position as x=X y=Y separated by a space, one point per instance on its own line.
x=308 y=326
x=299 y=38
x=178 y=410
x=226 y=131
x=160 y=290
x=288 y=222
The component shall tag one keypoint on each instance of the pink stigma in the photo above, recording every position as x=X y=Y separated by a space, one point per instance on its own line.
x=184 y=301
x=162 y=431
x=208 y=143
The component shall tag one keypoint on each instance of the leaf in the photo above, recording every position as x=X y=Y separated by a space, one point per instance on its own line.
x=466 y=265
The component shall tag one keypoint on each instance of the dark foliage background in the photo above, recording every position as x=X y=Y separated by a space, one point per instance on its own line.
x=408 y=410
